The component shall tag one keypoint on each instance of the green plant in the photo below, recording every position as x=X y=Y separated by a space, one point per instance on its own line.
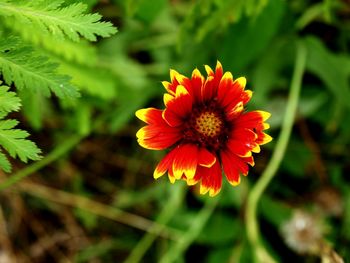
x=36 y=39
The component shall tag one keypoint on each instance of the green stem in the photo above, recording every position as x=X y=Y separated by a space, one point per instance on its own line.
x=51 y=157
x=97 y=208
x=272 y=167
x=170 y=208
x=191 y=234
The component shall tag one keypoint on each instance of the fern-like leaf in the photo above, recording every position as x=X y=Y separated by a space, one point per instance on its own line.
x=13 y=140
x=8 y=100
x=15 y=143
x=51 y=17
x=27 y=69
x=4 y=163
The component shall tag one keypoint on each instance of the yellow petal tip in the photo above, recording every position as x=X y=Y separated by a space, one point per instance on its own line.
x=235 y=183
x=203 y=189
x=213 y=192
x=264 y=114
x=242 y=81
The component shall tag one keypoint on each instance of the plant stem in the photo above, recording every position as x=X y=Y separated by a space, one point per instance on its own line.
x=277 y=156
x=51 y=157
x=97 y=208
x=190 y=235
x=170 y=208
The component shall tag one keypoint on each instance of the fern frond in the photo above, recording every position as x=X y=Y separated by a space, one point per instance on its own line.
x=27 y=69
x=8 y=100
x=53 y=18
x=81 y=52
x=15 y=143
x=4 y=163
x=13 y=140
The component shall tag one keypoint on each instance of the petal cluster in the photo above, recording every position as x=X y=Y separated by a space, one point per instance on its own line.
x=206 y=129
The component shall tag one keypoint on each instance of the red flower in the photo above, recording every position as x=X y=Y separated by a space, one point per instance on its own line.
x=206 y=128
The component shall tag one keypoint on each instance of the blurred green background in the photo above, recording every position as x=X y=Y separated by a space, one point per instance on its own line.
x=95 y=200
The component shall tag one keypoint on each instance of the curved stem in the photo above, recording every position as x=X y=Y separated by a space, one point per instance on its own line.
x=272 y=167
x=170 y=208
x=197 y=225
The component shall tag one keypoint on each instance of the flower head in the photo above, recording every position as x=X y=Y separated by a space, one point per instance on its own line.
x=206 y=128
x=303 y=232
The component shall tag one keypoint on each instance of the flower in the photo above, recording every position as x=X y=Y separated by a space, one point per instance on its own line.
x=303 y=232
x=206 y=128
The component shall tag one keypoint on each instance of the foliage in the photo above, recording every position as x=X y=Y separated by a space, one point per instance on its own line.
x=26 y=69
x=80 y=84
x=13 y=140
x=26 y=27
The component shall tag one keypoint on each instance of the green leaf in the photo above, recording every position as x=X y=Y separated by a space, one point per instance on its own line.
x=281 y=211
x=50 y=17
x=332 y=69
x=248 y=38
x=94 y=81
x=32 y=105
x=148 y=10
x=221 y=229
x=219 y=255
x=82 y=52
x=14 y=141
x=4 y=163
x=27 y=69
x=8 y=100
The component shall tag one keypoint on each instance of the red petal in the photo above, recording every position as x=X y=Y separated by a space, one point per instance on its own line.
x=253 y=120
x=209 y=71
x=181 y=106
x=197 y=83
x=263 y=138
x=158 y=134
x=149 y=115
x=197 y=177
x=155 y=130
x=184 y=81
x=242 y=142
x=164 y=164
x=171 y=175
x=234 y=165
x=209 y=90
x=211 y=179
x=170 y=87
x=185 y=161
x=218 y=70
x=243 y=134
x=234 y=112
x=239 y=148
x=206 y=158
x=249 y=160
x=246 y=95
x=167 y=98
x=218 y=73
x=177 y=79
x=172 y=118
x=230 y=92
x=159 y=142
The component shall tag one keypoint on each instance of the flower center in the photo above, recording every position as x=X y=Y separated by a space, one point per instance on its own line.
x=208 y=124
x=207 y=127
